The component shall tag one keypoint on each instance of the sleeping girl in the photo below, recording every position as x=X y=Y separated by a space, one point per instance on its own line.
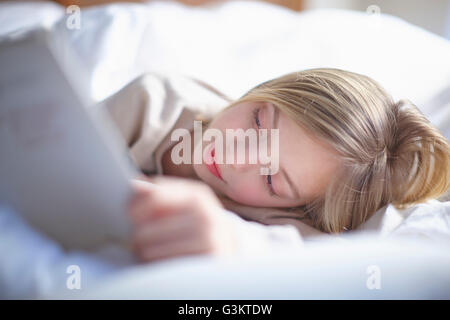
x=344 y=150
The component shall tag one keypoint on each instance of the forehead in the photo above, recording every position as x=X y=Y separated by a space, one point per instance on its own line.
x=310 y=161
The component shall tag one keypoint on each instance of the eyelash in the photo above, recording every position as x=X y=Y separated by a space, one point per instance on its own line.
x=268 y=181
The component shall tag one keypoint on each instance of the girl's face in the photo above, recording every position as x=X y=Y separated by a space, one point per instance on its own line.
x=306 y=164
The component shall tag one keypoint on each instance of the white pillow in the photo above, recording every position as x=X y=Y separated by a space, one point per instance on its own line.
x=236 y=45
x=20 y=15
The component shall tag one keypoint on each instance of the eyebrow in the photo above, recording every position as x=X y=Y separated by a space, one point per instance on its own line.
x=275 y=122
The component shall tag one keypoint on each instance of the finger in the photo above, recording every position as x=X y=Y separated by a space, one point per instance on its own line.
x=173 y=194
x=164 y=230
x=182 y=187
x=262 y=214
x=178 y=248
x=139 y=203
x=182 y=195
x=139 y=209
x=143 y=186
x=163 y=203
x=151 y=205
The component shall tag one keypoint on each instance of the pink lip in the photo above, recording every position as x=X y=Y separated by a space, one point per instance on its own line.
x=213 y=168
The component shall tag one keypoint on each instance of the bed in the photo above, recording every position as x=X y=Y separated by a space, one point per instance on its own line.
x=235 y=46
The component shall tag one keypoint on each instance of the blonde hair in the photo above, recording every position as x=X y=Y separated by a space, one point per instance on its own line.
x=390 y=152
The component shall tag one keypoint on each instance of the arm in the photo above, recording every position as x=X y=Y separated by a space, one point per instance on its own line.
x=175 y=217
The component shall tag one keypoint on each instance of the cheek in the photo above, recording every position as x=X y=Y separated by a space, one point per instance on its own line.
x=246 y=193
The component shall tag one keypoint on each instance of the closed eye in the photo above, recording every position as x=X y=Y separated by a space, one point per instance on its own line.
x=268 y=180
x=270 y=186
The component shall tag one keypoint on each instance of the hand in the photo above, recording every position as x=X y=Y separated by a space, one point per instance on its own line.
x=274 y=216
x=176 y=217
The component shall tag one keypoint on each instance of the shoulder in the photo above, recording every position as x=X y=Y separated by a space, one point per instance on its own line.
x=197 y=94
